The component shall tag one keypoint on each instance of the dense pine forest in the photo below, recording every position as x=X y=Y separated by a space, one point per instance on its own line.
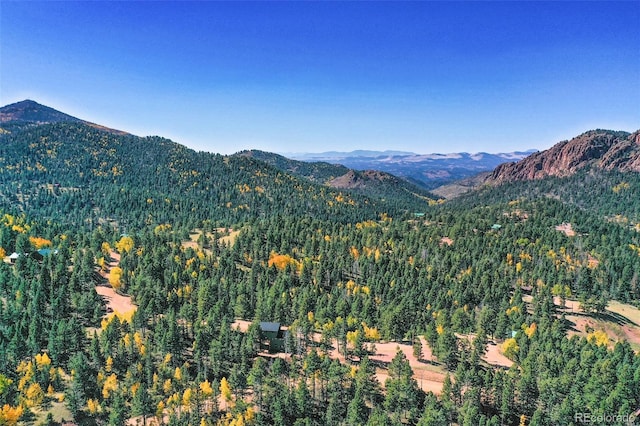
x=206 y=247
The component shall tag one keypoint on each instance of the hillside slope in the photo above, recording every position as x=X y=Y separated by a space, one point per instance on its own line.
x=26 y=113
x=30 y=112
x=81 y=174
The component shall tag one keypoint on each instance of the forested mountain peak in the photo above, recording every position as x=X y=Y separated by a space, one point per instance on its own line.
x=29 y=113
x=602 y=149
x=319 y=172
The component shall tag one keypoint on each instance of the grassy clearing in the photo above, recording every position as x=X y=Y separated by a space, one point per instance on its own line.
x=225 y=235
x=57 y=409
x=628 y=311
x=620 y=321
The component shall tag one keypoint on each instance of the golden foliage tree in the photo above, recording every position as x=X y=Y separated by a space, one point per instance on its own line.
x=115 y=277
x=34 y=395
x=125 y=245
x=39 y=242
x=110 y=385
x=177 y=374
x=206 y=389
x=530 y=330
x=167 y=386
x=371 y=333
x=93 y=406
x=105 y=248
x=510 y=348
x=225 y=389
x=280 y=261
x=598 y=337
x=43 y=361
x=9 y=415
x=187 y=397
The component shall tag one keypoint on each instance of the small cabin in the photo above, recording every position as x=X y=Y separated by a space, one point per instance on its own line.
x=272 y=337
x=36 y=256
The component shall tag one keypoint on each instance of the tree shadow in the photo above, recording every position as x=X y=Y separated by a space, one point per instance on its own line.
x=609 y=316
x=430 y=362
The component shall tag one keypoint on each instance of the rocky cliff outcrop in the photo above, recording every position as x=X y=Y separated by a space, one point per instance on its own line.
x=604 y=149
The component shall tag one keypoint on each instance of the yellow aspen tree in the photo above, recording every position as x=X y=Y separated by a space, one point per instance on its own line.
x=160 y=409
x=93 y=406
x=9 y=415
x=225 y=389
x=167 y=386
x=206 y=389
x=510 y=348
x=105 y=248
x=125 y=245
x=110 y=385
x=115 y=277
x=187 y=397
x=34 y=395
x=43 y=361
x=108 y=364
x=102 y=264
x=26 y=370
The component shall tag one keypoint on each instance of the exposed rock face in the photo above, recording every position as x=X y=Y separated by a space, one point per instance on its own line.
x=604 y=149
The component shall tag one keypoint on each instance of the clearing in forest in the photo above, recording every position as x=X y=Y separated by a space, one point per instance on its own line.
x=116 y=303
x=619 y=321
x=225 y=235
x=58 y=410
x=446 y=240
x=567 y=228
x=427 y=371
x=493 y=352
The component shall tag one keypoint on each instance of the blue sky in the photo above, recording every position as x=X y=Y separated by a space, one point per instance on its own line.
x=305 y=76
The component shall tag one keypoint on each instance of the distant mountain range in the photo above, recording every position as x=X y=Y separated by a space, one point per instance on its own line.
x=427 y=170
x=367 y=182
